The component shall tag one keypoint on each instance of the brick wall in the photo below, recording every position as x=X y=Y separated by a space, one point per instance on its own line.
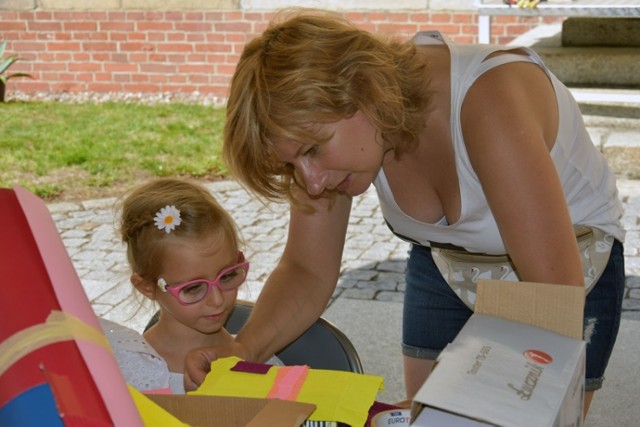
x=138 y=50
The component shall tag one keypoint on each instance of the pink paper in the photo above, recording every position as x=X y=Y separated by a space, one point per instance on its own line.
x=289 y=380
x=251 y=367
x=66 y=284
x=72 y=299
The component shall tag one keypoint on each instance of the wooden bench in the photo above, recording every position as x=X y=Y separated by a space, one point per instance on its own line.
x=562 y=8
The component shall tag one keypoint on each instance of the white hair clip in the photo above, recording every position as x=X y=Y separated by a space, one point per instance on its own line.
x=167 y=218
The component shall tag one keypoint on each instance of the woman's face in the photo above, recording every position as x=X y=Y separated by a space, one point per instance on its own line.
x=347 y=162
x=195 y=259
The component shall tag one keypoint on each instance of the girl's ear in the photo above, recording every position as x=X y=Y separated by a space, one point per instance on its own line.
x=145 y=287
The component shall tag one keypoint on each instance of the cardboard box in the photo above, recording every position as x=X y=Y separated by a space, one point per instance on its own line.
x=201 y=411
x=501 y=371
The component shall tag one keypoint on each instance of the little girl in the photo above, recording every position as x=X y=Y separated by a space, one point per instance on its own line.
x=183 y=249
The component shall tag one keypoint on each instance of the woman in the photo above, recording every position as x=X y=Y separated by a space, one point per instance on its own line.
x=475 y=146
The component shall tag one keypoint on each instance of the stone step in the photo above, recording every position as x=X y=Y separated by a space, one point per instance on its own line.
x=607 y=67
x=615 y=130
x=591 y=32
x=611 y=112
x=614 y=67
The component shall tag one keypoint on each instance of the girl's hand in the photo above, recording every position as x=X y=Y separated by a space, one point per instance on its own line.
x=197 y=363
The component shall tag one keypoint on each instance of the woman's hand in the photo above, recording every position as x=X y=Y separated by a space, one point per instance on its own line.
x=197 y=363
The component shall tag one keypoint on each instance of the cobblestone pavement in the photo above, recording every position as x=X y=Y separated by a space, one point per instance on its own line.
x=372 y=266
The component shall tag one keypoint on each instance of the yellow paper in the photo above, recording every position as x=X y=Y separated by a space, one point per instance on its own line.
x=340 y=396
x=222 y=381
x=152 y=414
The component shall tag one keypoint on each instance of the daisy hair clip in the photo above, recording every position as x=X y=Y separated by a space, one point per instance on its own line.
x=167 y=218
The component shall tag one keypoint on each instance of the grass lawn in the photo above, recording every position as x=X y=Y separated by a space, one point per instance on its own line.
x=65 y=151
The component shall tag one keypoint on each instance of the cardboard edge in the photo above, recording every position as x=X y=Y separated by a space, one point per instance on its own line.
x=558 y=308
x=282 y=413
x=255 y=412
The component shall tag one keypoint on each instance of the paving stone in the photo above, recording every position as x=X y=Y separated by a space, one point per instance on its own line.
x=390 y=296
x=398 y=266
x=633 y=282
x=367 y=294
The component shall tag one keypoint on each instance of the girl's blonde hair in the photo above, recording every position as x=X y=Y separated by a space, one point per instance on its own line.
x=201 y=216
x=314 y=68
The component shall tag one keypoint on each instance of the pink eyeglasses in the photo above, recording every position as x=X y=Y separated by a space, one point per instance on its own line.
x=194 y=291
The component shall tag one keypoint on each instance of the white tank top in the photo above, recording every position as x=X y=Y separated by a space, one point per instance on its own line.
x=588 y=183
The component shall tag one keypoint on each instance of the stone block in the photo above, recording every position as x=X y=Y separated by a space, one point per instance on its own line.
x=584 y=66
x=181 y=4
x=79 y=4
x=336 y=4
x=615 y=32
x=622 y=151
x=17 y=4
x=616 y=67
x=128 y=4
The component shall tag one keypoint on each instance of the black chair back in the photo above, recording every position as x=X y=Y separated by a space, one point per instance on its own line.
x=322 y=346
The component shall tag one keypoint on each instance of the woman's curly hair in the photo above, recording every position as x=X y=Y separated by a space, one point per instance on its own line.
x=315 y=67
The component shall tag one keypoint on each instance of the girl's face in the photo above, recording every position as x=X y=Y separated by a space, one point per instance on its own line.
x=348 y=161
x=195 y=259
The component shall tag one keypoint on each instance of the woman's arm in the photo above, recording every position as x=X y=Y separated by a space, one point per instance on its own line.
x=296 y=292
x=510 y=122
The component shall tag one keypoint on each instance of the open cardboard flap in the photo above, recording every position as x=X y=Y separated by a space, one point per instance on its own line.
x=519 y=360
x=558 y=308
x=233 y=411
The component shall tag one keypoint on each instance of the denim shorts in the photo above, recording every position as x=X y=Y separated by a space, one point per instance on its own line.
x=433 y=314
